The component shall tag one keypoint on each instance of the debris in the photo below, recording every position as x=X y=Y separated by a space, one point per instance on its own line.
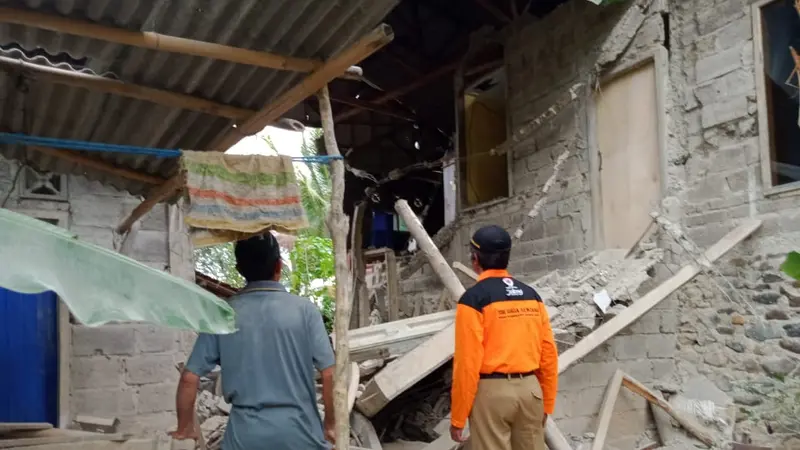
x=97 y=424
x=602 y=300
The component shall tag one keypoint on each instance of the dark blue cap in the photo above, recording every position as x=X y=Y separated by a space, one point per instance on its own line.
x=491 y=239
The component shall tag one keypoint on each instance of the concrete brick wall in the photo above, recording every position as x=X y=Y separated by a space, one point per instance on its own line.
x=122 y=370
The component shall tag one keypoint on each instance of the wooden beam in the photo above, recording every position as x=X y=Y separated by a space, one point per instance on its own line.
x=639 y=308
x=465 y=270
x=367 y=106
x=607 y=410
x=99 y=165
x=493 y=10
x=392 y=286
x=318 y=79
x=338 y=226
x=690 y=426
x=359 y=317
x=110 y=86
x=399 y=92
x=160 y=42
x=160 y=193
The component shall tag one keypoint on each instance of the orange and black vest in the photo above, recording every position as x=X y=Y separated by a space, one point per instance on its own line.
x=502 y=327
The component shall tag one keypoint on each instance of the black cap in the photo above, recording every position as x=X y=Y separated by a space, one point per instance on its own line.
x=259 y=247
x=491 y=239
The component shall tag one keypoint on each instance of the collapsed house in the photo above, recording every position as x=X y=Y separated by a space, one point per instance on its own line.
x=677 y=107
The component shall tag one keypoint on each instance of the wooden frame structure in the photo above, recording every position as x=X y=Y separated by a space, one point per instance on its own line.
x=317 y=80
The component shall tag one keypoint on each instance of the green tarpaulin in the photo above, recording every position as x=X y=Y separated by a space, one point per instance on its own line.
x=99 y=285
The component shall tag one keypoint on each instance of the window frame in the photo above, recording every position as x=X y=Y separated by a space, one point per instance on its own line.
x=762 y=102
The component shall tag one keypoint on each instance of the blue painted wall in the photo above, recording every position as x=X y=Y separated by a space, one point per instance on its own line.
x=28 y=357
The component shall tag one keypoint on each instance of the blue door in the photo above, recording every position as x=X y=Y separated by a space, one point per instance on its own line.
x=28 y=357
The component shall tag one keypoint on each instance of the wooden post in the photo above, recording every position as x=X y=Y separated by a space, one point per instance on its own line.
x=392 y=286
x=316 y=81
x=337 y=225
x=360 y=313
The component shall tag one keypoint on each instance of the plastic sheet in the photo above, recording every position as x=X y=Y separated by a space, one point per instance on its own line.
x=99 y=285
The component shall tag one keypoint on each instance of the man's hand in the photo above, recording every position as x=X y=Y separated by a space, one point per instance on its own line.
x=544 y=421
x=457 y=434
x=330 y=429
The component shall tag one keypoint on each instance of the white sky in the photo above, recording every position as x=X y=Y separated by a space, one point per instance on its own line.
x=287 y=142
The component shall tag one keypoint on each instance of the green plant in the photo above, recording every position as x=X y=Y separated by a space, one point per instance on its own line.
x=791 y=266
x=313 y=273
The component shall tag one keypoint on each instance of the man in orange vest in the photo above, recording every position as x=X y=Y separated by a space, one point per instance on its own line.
x=505 y=368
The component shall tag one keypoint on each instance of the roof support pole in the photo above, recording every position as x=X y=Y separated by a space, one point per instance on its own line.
x=163 y=42
x=317 y=80
x=338 y=226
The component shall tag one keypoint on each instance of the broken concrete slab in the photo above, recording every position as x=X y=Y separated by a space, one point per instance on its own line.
x=395 y=338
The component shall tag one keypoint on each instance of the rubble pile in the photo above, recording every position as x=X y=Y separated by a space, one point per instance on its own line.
x=212 y=415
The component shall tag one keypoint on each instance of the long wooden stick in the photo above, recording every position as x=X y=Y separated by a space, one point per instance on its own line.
x=338 y=225
x=130 y=90
x=318 y=79
x=160 y=193
x=537 y=207
x=693 y=428
x=607 y=410
x=156 y=41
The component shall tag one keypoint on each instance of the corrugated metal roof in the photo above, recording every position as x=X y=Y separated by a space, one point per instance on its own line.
x=301 y=28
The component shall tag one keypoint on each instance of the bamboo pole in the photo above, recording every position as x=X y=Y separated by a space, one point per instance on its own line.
x=319 y=79
x=160 y=193
x=338 y=226
x=163 y=42
x=108 y=85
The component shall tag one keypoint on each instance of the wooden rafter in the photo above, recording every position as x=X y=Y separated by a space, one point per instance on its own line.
x=162 y=42
x=99 y=165
x=108 y=85
x=378 y=109
x=158 y=194
x=318 y=79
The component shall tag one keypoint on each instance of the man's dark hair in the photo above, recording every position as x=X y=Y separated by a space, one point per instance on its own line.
x=257 y=257
x=493 y=260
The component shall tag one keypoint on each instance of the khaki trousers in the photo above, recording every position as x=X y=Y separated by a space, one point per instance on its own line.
x=507 y=415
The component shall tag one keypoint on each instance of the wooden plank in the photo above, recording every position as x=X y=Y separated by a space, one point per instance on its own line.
x=553 y=437
x=316 y=81
x=337 y=223
x=653 y=298
x=465 y=270
x=124 y=89
x=653 y=398
x=352 y=386
x=159 y=42
x=54 y=436
x=11 y=427
x=160 y=193
x=607 y=410
x=361 y=307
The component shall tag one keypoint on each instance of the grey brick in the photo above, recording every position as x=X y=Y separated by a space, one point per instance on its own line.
x=105 y=402
x=150 y=369
x=104 y=340
x=150 y=246
x=724 y=111
x=96 y=372
x=718 y=64
x=629 y=347
x=661 y=345
x=157 y=398
x=153 y=339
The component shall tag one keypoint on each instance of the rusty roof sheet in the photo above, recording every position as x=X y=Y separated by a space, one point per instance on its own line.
x=301 y=28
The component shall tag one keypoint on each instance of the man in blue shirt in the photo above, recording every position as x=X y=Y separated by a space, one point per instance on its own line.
x=267 y=365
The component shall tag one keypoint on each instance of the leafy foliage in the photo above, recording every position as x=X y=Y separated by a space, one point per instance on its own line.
x=312 y=262
x=791 y=266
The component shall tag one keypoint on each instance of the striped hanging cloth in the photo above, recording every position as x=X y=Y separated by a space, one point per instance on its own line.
x=235 y=196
